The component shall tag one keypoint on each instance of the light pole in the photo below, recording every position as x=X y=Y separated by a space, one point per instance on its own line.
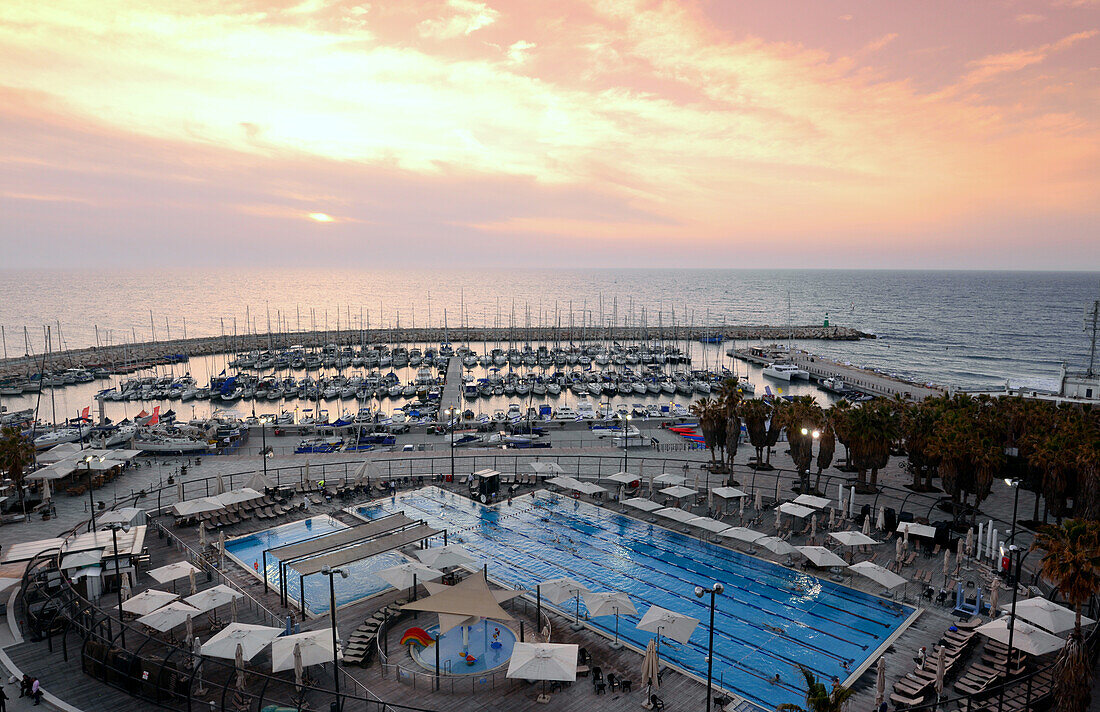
x=1014 y=554
x=624 y=425
x=449 y=412
x=1014 y=483
x=815 y=435
x=715 y=590
x=87 y=460
x=114 y=527
x=331 y=573
x=264 y=451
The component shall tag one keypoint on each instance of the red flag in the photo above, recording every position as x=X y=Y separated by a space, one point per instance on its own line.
x=84 y=413
x=142 y=414
x=156 y=416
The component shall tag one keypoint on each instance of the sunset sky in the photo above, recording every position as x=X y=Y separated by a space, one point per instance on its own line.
x=728 y=133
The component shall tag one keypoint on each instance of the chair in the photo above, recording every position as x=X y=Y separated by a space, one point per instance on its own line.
x=600 y=686
x=656 y=702
x=612 y=681
x=597 y=674
x=624 y=685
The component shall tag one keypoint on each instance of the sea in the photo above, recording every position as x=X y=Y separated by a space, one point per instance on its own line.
x=960 y=328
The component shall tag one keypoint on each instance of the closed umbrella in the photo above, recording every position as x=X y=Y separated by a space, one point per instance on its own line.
x=813 y=528
x=299 y=668
x=832 y=518
x=759 y=504
x=994 y=596
x=939 y=671
x=867 y=525
x=946 y=564
x=651 y=668
x=191 y=579
x=190 y=627
x=897 y=553
x=880 y=683
x=238 y=662
x=127 y=592
x=221 y=547
x=959 y=554
x=233 y=610
x=202 y=537
x=179 y=490
x=970 y=542
x=741 y=512
x=905 y=537
x=777 y=518
x=221 y=486
x=196 y=660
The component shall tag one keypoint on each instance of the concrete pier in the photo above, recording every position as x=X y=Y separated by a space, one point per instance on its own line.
x=451 y=397
x=133 y=356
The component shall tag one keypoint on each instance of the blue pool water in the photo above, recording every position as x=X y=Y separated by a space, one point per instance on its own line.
x=770 y=619
x=480 y=641
x=360 y=583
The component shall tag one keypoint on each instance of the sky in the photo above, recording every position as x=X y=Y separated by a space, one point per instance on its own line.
x=724 y=133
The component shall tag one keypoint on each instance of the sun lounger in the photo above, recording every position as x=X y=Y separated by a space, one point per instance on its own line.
x=902 y=700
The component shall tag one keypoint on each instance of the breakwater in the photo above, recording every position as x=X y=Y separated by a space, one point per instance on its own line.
x=128 y=357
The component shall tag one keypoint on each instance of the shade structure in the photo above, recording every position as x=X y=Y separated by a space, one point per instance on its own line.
x=148 y=601
x=853 y=538
x=191 y=507
x=544 y=661
x=646 y=505
x=82 y=558
x=214 y=597
x=560 y=590
x=169 y=616
x=1046 y=614
x=404 y=575
x=172 y=572
x=470 y=597
x=608 y=603
x=624 y=478
x=651 y=667
x=775 y=545
x=675 y=514
x=883 y=577
x=669 y=478
x=252 y=639
x=742 y=534
x=545 y=468
x=677 y=491
x=244 y=494
x=125 y=515
x=914 y=529
x=441 y=557
x=820 y=556
x=809 y=500
x=258 y=481
x=796 y=510
x=1027 y=638
x=711 y=525
x=315 y=646
x=668 y=623
x=729 y=493
x=588 y=488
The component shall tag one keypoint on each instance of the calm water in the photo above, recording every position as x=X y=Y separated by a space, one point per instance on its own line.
x=961 y=328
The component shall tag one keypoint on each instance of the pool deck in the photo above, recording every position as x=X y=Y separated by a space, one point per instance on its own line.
x=679 y=691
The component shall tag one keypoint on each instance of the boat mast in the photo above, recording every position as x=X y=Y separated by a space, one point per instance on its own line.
x=1095 y=317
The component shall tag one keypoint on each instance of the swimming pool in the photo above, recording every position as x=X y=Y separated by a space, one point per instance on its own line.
x=478 y=645
x=360 y=583
x=769 y=620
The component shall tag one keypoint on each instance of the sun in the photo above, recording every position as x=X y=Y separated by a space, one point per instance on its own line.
x=321 y=217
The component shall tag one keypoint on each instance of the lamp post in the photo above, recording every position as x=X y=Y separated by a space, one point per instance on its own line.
x=331 y=573
x=264 y=451
x=87 y=460
x=1014 y=555
x=815 y=435
x=624 y=425
x=1014 y=483
x=715 y=590
x=449 y=412
x=114 y=527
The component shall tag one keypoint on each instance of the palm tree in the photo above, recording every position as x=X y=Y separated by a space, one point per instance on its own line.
x=800 y=418
x=712 y=422
x=775 y=426
x=871 y=428
x=1072 y=564
x=818 y=697
x=825 y=451
x=16 y=454
x=755 y=413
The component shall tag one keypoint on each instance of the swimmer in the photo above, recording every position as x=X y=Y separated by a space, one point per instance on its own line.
x=775 y=680
x=775 y=629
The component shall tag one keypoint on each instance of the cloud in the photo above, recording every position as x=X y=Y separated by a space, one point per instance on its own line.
x=517 y=52
x=845 y=18
x=464 y=17
x=1029 y=18
x=876 y=45
x=989 y=67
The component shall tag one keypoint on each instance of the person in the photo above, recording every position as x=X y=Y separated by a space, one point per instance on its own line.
x=775 y=680
x=921 y=655
x=3 y=700
x=36 y=691
x=25 y=686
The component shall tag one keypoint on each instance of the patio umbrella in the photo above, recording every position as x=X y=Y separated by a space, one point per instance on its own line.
x=775 y=545
x=544 y=661
x=678 y=491
x=1047 y=615
x=1027 y=638
x=403 y=575
x=221 y=485
x=730 y=493
x=884 y=577
x=668 y=623
x=880 y=683
x=668 y=478
x=946 y=563
x=646 y=505
x=759 y=503
x=315 y=646
x=832 y=518
x=233 y=610
x=813 y=528
x=560 y=590
x=171 y=572
x=853 y=538
x=191 y=579
x=168 y=617
x=214 y=597
x=196 y=660
x=995 y=597
x=820 y=556
x=708 y=524
x=299 y=668
x=939 y=671
x=867 y=526
x=190 y=627
x=608 y=603
x=651 y=668
x=148 y=601
x=623 y=478
x=238 y=663
x=202 y=537
x=880 y=521
x=742 y=534
x=179 y=491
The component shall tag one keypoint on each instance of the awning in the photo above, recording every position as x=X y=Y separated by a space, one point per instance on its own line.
x=341 y=537
x=126 y=515
x=646 y=505
x=809 y=500
x=486 y=474
x=675 y=514
x=24 y=551
x=373 y=547
x=82 y=558
x=470 y=597
x=796 y=510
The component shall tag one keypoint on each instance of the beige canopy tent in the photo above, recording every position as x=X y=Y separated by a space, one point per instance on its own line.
x=809 y=500
x=544 y=661
x=469 y=598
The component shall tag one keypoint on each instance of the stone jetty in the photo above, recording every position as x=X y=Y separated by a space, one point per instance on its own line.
x=129 y=357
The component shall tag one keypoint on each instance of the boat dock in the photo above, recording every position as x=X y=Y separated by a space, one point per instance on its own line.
x=134 y=356
x=451 y=397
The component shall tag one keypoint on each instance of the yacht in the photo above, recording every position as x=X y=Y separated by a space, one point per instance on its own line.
x=785 y=371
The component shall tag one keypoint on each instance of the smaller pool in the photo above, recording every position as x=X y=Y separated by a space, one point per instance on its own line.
x=478 y=644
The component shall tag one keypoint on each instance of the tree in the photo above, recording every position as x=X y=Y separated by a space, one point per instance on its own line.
x=713 y=424
x=872 y=426
x=1072 y=564
x=16 y=454
x=755 y=413
x=818 y=697
x=1053 y=451
x=968 y=444
x=825 y=451
x=840 y=416
x=917 y=425
x=775 y=426
x=801 y=418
